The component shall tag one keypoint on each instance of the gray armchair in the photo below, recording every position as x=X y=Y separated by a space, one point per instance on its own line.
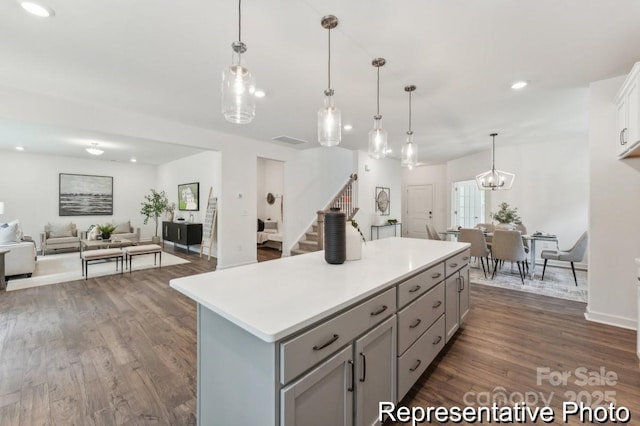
x=59 y=236
x=574 y=254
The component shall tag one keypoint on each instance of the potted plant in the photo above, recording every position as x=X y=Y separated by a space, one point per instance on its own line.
x=106 y=230
x=506 y=215
x=153 y=206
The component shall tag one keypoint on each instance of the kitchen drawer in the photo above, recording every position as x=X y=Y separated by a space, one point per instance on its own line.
x=418 y=317
x=417 y=285
x=418 y=357
x=303 y=352
x=457 y=262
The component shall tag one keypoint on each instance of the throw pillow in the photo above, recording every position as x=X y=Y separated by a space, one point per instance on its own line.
x=9 y=233
x=123 y=228
x=260 y=225
x=57 y=230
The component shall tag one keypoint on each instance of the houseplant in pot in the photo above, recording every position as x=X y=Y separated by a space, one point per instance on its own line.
x=506 y=215
x=153 y=206
x=106 y=230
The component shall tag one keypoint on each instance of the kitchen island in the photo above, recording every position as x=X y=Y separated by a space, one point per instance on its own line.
x=281 y=342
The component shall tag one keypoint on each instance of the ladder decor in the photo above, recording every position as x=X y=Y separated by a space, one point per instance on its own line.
x=209 y=227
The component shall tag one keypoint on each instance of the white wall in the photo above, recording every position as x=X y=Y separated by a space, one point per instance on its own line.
x=311 y=179
x=382 y=173
x=614 y=228
x=203 y=168
x=550 y=191
x=436 y=176
x=29 y=187
x=270 y=180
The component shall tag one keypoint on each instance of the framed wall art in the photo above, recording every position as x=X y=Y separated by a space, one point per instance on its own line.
x=85 y=195
x=189 y=196
x=383 y=200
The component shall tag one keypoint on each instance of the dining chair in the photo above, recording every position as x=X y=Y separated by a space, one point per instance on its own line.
x=523 y=231
x=487 y=227
x=508 y=246
x=574 y=254
x=478 y=243
x=432 y=234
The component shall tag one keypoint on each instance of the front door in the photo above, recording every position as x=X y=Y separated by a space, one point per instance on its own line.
x=419 y=210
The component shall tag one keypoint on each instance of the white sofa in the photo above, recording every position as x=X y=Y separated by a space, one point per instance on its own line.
x=21 y=260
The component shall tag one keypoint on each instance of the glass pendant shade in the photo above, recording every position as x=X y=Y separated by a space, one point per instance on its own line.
x=377 y=140
x=329 y=123
x=409 y=153
x=494 y=179
x=238 y=87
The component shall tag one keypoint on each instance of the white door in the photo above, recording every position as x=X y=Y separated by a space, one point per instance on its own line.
x=468 y=204
x=419 y=210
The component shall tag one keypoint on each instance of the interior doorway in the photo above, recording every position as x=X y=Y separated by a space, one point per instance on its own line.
x=270 y=208
x=468 y=204
x=419 y=210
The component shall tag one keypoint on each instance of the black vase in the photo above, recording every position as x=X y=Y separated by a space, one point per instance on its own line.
x=335 y=240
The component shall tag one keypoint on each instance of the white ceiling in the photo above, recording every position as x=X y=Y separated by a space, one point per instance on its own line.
x=164 y=58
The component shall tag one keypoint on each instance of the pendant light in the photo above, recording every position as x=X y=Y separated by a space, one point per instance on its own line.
x=378 y=136
x=410 y=149
x=329 y=118
x=238 y=84
x=494 y=179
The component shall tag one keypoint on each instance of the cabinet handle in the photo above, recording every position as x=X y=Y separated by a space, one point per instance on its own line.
x=415 y=324
x=379 y=311
x=454 y=265
x=437 y=304
x=465 y=258
x=415 y=367
x=364 y=367
x=436 y=275
x=623 y=140
x=327 y=343
x=414 y=289
x=461 y=285
x=350 y=388
x=178 y=233
x=438 y=340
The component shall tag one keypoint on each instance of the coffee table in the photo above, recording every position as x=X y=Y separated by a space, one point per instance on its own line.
x=104 y=244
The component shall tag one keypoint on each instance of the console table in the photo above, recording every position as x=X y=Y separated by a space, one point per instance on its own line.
x=395 y=229
x=184 y=233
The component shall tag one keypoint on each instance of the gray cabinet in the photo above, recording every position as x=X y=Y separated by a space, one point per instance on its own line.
x=457 y=296
x=322 y=397
x=375 y=362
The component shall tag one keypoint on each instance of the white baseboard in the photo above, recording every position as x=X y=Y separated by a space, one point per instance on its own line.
x=614 y=320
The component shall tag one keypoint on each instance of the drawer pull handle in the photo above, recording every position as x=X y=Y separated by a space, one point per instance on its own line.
x=364 y=367
x=415 y=324
x=327 y=343
x=437 y=304
x=454 y=265
x=415 y=367
x=435 y=342
x=436 y=275
x=414 y=289
x=465 y=258
x=379 y=311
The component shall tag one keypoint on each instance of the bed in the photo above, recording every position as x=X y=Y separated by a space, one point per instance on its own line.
x=269 y=235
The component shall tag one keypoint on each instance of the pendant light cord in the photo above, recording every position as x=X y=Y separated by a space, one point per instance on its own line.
x=378 y=94
x=329 y=61
x=239 y=21
x=493 y=163
x=410 y=113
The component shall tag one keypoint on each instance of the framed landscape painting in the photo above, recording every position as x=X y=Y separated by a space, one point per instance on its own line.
x=85 y=195
x=189 y=196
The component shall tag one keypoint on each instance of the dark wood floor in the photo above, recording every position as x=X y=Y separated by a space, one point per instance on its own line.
x=122 y=351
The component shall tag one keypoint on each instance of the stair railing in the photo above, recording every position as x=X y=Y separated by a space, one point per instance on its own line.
x=344 y=201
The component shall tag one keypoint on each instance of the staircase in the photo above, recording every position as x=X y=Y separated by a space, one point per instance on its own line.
x=344 y=200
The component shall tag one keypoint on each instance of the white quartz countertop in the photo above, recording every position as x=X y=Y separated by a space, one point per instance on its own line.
x=275 y=299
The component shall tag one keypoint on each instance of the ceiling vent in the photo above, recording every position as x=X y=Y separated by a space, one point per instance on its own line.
x=289 y=140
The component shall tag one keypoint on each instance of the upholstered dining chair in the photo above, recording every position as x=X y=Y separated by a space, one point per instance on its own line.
x=479 y=247
x=508 y=246
x=432 y=234
x=574 y=254
x=487 y=227
x=523 y=231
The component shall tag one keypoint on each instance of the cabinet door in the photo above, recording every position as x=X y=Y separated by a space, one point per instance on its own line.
x=375 y=358
x=322 y=397
x=452 y=301
x=621 y=126
x=464 y=294
x=166 y=227
x=633 y=117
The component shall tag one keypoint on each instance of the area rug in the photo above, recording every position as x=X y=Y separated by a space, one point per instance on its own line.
x=59 y=268
x=558 y=282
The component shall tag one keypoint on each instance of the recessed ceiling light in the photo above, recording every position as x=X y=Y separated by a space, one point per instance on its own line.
x=347 y=127
x=519 y=85
x=19 y=148
x=259 y=93
x=37 y=9
x=94 y=150
x=133 y=160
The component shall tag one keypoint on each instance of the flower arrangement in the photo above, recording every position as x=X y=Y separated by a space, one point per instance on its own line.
x=506 y=214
